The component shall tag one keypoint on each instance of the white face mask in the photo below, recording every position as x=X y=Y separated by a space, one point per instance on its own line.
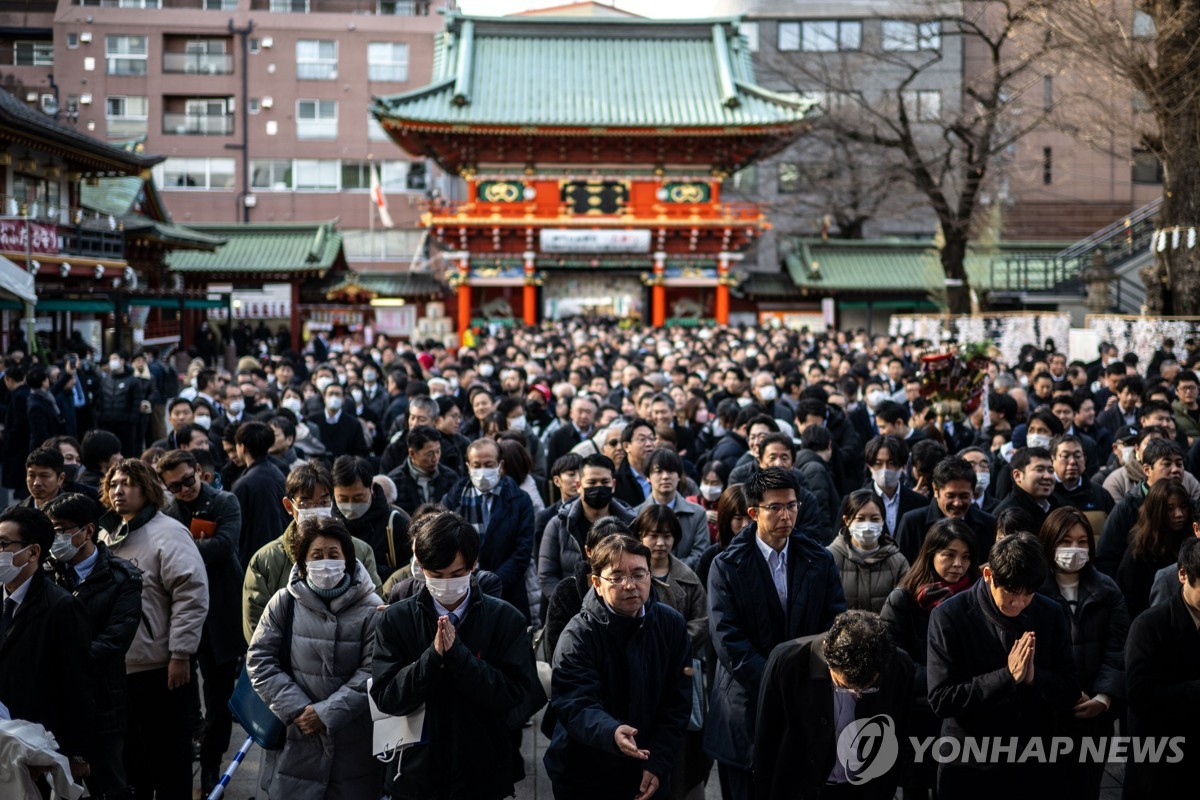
x=8 y=570
x=453 y=379
x=1126 y=454
x=333 y=404
x=64 y=548
x=236 y=406
x=485 y=479
x=313 y=513
x=370 y=376
x=486 y=370
x=744 y=401
x=982 y=481
x=1037 y=440
x=448 y=590
x=875 y=397
x=517 y=424
x=866 y=534
x=886 y=478
x=203 y=422
x=357 y=395
x=293 y=404
x=114 y=365
x=767 y=393
x=326 y=573
x=711 y=491
x=353 y=510
x=1071 y=559
x=323 y=382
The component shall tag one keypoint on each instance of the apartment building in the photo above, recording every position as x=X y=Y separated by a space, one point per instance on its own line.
x=260 y=106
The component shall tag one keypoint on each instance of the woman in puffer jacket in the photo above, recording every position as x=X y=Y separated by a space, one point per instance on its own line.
x=332 y=605
x=870 y=563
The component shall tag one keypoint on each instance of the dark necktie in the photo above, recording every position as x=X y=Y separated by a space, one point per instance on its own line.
x=454 y=619
x=10 y=608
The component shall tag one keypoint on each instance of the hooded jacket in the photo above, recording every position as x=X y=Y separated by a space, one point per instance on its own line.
x=869 y=576
x=562 y=542
x=331 y=648
x=174 y=588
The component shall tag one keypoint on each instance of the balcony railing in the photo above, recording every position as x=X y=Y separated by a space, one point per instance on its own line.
x=198 y=63
x=58 y=230
x=198 y=124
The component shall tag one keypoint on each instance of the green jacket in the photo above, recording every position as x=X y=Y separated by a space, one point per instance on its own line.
x=269 y=570
x=1183 y=422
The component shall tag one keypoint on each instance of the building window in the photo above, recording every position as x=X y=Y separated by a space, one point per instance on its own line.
x=201 y=174
x=289 y=6
x=1143 y=25
x=274 y=174
x=749 y=30
x=1047 y=166
x=126 y=116
x=394 y=176
x=923 y=105
x=72 y=41
x=906 y=36
x=316 y=59
x=316 y=119
x=356 y=175
x=745 y=180
x=403 y=8
x=43 y=196
x=387 y=61
x=316 y=176
x=820 y=36
x=254 y=45
x=375 y=131
x=126 y=55
x=220 y=5
x=789 y=178
x=1146 y=168
x=33 y=54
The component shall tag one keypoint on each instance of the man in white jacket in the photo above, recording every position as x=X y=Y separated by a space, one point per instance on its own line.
x=158 y=746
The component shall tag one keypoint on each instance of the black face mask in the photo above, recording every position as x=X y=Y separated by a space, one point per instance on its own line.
x=597 y=497
x=534 y=409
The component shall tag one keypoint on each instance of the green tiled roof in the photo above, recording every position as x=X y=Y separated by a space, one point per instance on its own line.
x=400 y=284
x=546 y=71
x=136 y=202
x=259 y=248
x=890 y=265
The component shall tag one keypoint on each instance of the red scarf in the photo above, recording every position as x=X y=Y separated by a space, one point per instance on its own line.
x=932 y=595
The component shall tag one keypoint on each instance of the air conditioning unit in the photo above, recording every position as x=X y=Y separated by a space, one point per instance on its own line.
x=268 y=102
x=85 y=37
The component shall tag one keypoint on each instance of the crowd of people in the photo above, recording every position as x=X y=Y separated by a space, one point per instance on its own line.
x=726 y=545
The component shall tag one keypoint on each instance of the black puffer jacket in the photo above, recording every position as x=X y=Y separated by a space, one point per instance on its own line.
x=611 y=670
x=469 y=694
x=821 y=483
x=112 y=598
x=1099 y=628
x=120 y=396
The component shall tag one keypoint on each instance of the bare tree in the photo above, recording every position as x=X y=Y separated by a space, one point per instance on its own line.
x=947 y=144
x=1153 y=57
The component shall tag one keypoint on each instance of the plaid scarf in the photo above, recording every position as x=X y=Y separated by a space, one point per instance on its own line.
x=470 y=508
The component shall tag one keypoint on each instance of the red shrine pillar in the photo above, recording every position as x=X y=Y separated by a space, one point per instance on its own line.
x=658 y=292
x=529 y=299
x=464 y=294
x=722 y=310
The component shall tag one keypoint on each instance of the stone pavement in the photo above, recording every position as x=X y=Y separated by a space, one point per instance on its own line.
x=536 y=785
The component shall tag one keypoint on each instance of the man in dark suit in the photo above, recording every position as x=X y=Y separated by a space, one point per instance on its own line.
x=981 y=463
x=1001 y=665
x=886 y=457
x=259 y=490
x=953 y=495
x=1162 y=674
x=1033 y=485
x=44 y=638
x=341 y=432
x=582 y=415
x=15 y=447
x=813 y=688
x=770 y=585
x=632 y=485
x=421 y=477
x=503 y=515
x=1127 y=409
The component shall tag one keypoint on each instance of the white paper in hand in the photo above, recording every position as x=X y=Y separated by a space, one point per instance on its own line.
x=390 y=735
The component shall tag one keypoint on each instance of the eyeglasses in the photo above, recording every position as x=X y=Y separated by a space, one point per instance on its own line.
x=7 y=543
x=779 y=508
x=187 y=481
x=643 y=440
x=1071 y=457
x=612 y=443
x=635 y=577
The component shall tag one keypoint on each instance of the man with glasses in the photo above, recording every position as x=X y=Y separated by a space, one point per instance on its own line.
x=638 y=442
x=214 y=518
x=770 y=585
x=1187 y=405
x=308 y=493
x=45 y=668
x=1071 y=487
x=853 y=672
x=110 y=590
x=979 y=461
x=619 y=690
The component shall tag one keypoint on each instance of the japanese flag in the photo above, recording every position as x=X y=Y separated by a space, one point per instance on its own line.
x=379 y=200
